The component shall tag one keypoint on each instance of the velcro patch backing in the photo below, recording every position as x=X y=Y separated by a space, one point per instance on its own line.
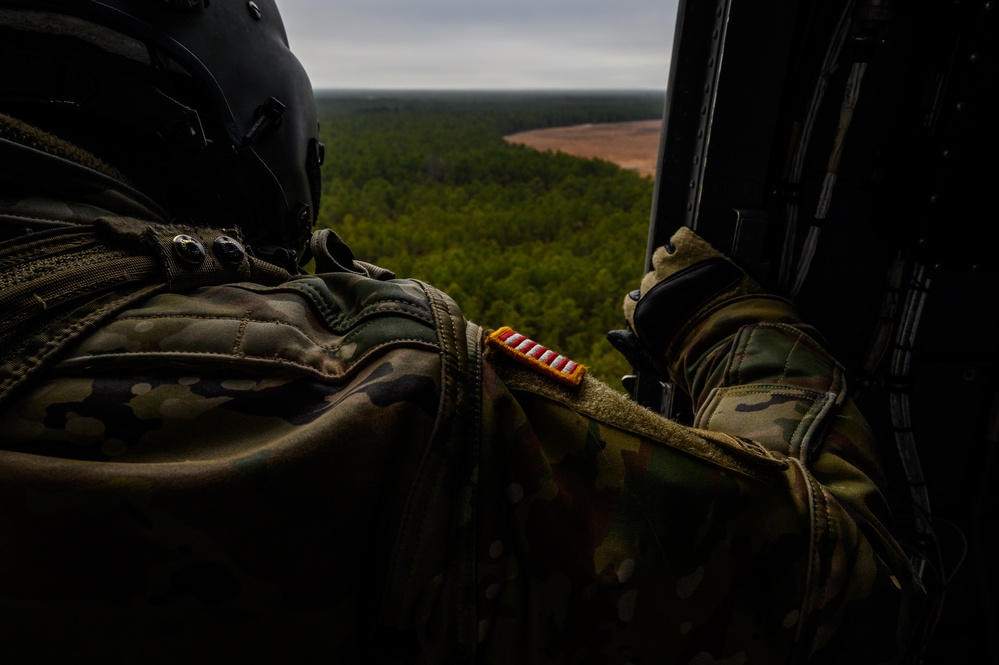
x=528 y=352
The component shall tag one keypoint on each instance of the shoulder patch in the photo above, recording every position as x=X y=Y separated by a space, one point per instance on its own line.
x=528 y=352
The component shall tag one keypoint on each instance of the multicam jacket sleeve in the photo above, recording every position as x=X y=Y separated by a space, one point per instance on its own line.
x=335 y=468
x=610 y=535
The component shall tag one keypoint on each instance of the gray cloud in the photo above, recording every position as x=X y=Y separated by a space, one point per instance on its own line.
x=475 y=44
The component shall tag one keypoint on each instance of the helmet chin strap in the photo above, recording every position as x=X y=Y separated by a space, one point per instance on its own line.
x=29 y=136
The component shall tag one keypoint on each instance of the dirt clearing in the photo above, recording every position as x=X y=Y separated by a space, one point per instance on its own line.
x=630 y=145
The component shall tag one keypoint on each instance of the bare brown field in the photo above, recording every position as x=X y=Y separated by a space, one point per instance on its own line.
x=630 y=145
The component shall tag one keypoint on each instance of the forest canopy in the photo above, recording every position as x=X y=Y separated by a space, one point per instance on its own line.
x=423 y=183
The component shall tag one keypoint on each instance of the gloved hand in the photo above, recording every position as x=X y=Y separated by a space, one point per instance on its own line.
x=689 y=277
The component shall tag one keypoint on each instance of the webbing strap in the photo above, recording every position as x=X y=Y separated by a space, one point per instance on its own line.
x=58 y=285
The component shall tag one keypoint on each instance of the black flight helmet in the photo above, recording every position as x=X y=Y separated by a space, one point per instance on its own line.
x=203 y=99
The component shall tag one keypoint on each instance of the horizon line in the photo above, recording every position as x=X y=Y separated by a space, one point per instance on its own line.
x=459 y=89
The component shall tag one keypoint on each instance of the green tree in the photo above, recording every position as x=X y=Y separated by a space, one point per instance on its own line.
x=424 y=184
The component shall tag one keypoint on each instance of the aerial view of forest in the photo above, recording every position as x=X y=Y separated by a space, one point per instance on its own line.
x=424 y=184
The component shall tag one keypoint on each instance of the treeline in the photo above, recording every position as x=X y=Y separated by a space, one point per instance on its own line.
x=425 y=185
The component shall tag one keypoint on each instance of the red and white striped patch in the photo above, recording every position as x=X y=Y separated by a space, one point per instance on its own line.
x=532 y=354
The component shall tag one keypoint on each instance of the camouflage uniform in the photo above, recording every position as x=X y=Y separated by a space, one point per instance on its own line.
x=337 y=467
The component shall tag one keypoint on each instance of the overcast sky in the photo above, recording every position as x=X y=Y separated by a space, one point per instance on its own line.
x=483 y=44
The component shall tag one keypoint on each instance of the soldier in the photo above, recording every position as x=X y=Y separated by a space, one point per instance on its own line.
x=206 y=454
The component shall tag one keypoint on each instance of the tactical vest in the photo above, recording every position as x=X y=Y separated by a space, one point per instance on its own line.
x=59 y=284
